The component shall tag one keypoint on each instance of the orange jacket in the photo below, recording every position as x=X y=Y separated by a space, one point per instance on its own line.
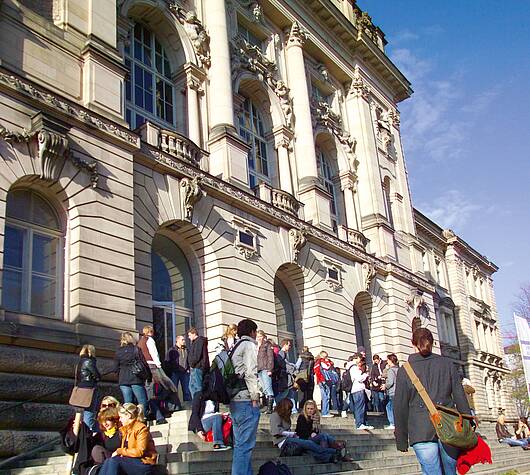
x=136 y=442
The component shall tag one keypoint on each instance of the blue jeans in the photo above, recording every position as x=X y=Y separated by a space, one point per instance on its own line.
x=390 y=410
x=266 y=383
x=359 y=407
x=321 y=454
x=334 y=398
x=127 y=465
x=434 y=459
x=245 y=419
x=347 y=404
x=182 y=378
x=378 y=400
x=324 y=394
x=515 y=442
x=195 y=381
x=135 y=393
x=215 y=424
x=323 y=439
x=89 y=414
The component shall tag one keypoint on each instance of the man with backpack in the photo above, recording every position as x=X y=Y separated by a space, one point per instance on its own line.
x=244 y=406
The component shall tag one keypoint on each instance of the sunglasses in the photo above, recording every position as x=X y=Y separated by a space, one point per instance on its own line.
x=111 y=404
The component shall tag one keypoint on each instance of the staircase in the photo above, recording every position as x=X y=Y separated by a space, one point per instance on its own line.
x=374 y=453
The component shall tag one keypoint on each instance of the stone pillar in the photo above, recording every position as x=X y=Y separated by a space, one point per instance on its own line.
x=347 y=186
x=282 y=143
x=194 y=80
x=221 y=101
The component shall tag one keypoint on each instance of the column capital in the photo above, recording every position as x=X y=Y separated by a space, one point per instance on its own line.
x=359 y=87
x=195 y=77
x=347 y=181
x=283 y=137
x=297 y=35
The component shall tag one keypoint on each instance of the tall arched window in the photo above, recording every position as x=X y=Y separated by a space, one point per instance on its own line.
x=33 y=256
x=327 y=175
x=252 y=130
x=388 y=201
x=149 y=90
x=285 y=319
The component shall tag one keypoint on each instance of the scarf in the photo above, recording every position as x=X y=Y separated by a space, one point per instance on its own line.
x=111 y=432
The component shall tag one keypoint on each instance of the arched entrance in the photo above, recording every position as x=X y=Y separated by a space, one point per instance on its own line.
x=172 y=291
x=362 y=316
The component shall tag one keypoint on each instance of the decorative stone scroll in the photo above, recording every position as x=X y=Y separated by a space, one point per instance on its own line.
x=297 y=240
x=191 y=194
x=369 y=271
x=194 y=28
x=359 y=87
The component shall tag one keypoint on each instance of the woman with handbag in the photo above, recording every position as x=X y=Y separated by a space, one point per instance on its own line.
x=136 y=454
x=87 y=377
x=439 y=384
x=128 y=362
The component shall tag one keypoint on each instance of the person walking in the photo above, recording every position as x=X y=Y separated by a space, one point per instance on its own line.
x=244 y=406
x=198 y=360
x=358 y=394
x=265 y=368
x=390 y=387
x=178 y=366
x=376 y=381
x=132 y=386
x=440 y=378
x=87 y=377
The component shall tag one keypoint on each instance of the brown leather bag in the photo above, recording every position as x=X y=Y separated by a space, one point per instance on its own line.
x=81 y=397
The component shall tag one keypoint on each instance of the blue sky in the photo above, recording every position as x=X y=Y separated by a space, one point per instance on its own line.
x=466 y=128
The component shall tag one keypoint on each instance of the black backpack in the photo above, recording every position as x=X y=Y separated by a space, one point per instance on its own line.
x=274 y=468
x=346 y=381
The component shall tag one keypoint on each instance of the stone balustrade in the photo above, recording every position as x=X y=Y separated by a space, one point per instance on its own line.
x=357 y=239
x=285 y=201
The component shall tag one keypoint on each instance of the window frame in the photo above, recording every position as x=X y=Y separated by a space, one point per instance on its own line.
x=27 y=273
x=130 y=81
x=330 y=185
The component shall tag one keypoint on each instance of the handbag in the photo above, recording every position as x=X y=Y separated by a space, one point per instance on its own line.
x=81 y=397
x=139 y=366
x=452 y=428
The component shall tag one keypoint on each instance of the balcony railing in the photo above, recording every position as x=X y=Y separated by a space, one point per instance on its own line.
x=356 y=238
x=283 y=200
x=173 y=143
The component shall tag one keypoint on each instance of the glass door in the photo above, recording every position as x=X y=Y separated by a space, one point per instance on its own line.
x=164 y=325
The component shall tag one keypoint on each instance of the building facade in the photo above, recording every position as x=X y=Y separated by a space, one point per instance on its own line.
x=198 y=162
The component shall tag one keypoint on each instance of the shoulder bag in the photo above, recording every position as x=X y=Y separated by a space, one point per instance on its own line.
x=139 y=366
x=452 y=428
x=81 y=397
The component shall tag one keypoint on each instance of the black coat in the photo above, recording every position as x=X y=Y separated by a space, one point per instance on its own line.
x=442 y=382
x=87 y=372
x=123 y=358
x=198 y=353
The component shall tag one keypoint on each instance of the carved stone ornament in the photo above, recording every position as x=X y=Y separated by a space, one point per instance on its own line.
x=417 y=305
x=369 y=272
x=254 y=8
x=297 y=240
x=297 y=36
x=249 y=57
x=191 y=194
x=383 y=126
x=363 y=23
x=14 y=137
x=394 y=118
x=195 y=30
x=448 y=234
x=358 y=87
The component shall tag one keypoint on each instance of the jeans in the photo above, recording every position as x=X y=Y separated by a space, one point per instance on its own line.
x=89 y=414
x=266 y=383
x=132 y=392
x=378 y=400
x=434 y=459
x=125 y=465
x=182 y=378
x=359 y=408
x=323 y=439
x=245 y=419
x=347 y=404
x=195 y=381
x=390 y=410
x=334 y=398
x=324 y=394
x=321 y=454
x=515 y=442
x=215 y=424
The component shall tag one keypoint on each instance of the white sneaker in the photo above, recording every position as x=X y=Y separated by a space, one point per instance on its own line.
x=390 y=427
x=344 y=414
x=327 y=415
x=365 y=427
x=221 y=447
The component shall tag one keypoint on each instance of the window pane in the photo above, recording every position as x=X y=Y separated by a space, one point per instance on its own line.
x=19 y=205
x=43 y=296
x=43 y=214
x=44 y=254
x=12 y=290
x=13 y=247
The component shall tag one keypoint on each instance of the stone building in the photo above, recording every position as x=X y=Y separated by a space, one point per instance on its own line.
x=198 y=162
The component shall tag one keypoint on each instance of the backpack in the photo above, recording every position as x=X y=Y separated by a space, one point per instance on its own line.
x=221 y=383
x=347 y=383
x=272 y=468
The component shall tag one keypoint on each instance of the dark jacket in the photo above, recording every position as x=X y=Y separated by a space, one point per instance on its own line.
x=442 y=382
x=109 y=443
x=177 y=360
x=266 y=356
x=502 y=431
x=123 y=359
x=304 y=427
x=198 y=353
x=87 y=372
x=376 y=376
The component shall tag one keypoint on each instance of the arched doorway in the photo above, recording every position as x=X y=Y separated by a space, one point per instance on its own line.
x=172 y=292
x=362 y=316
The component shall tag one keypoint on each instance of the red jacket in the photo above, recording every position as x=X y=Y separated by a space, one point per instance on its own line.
x=321 y=364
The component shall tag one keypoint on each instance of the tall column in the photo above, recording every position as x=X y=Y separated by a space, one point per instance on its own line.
x=194 y=80
x=282 y=143
x=221 y=102
x=304 y=140
x=347 y=186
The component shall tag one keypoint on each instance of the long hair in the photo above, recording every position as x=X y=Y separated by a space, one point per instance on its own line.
x=127 y=338
x=132 y=410
x=88 y=350
x=109 y=414
x=284 y=409
x=310 y=402
x=230 y=331
x=423 y=340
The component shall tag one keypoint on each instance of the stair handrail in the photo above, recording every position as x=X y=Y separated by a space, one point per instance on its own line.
x=30 y=452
